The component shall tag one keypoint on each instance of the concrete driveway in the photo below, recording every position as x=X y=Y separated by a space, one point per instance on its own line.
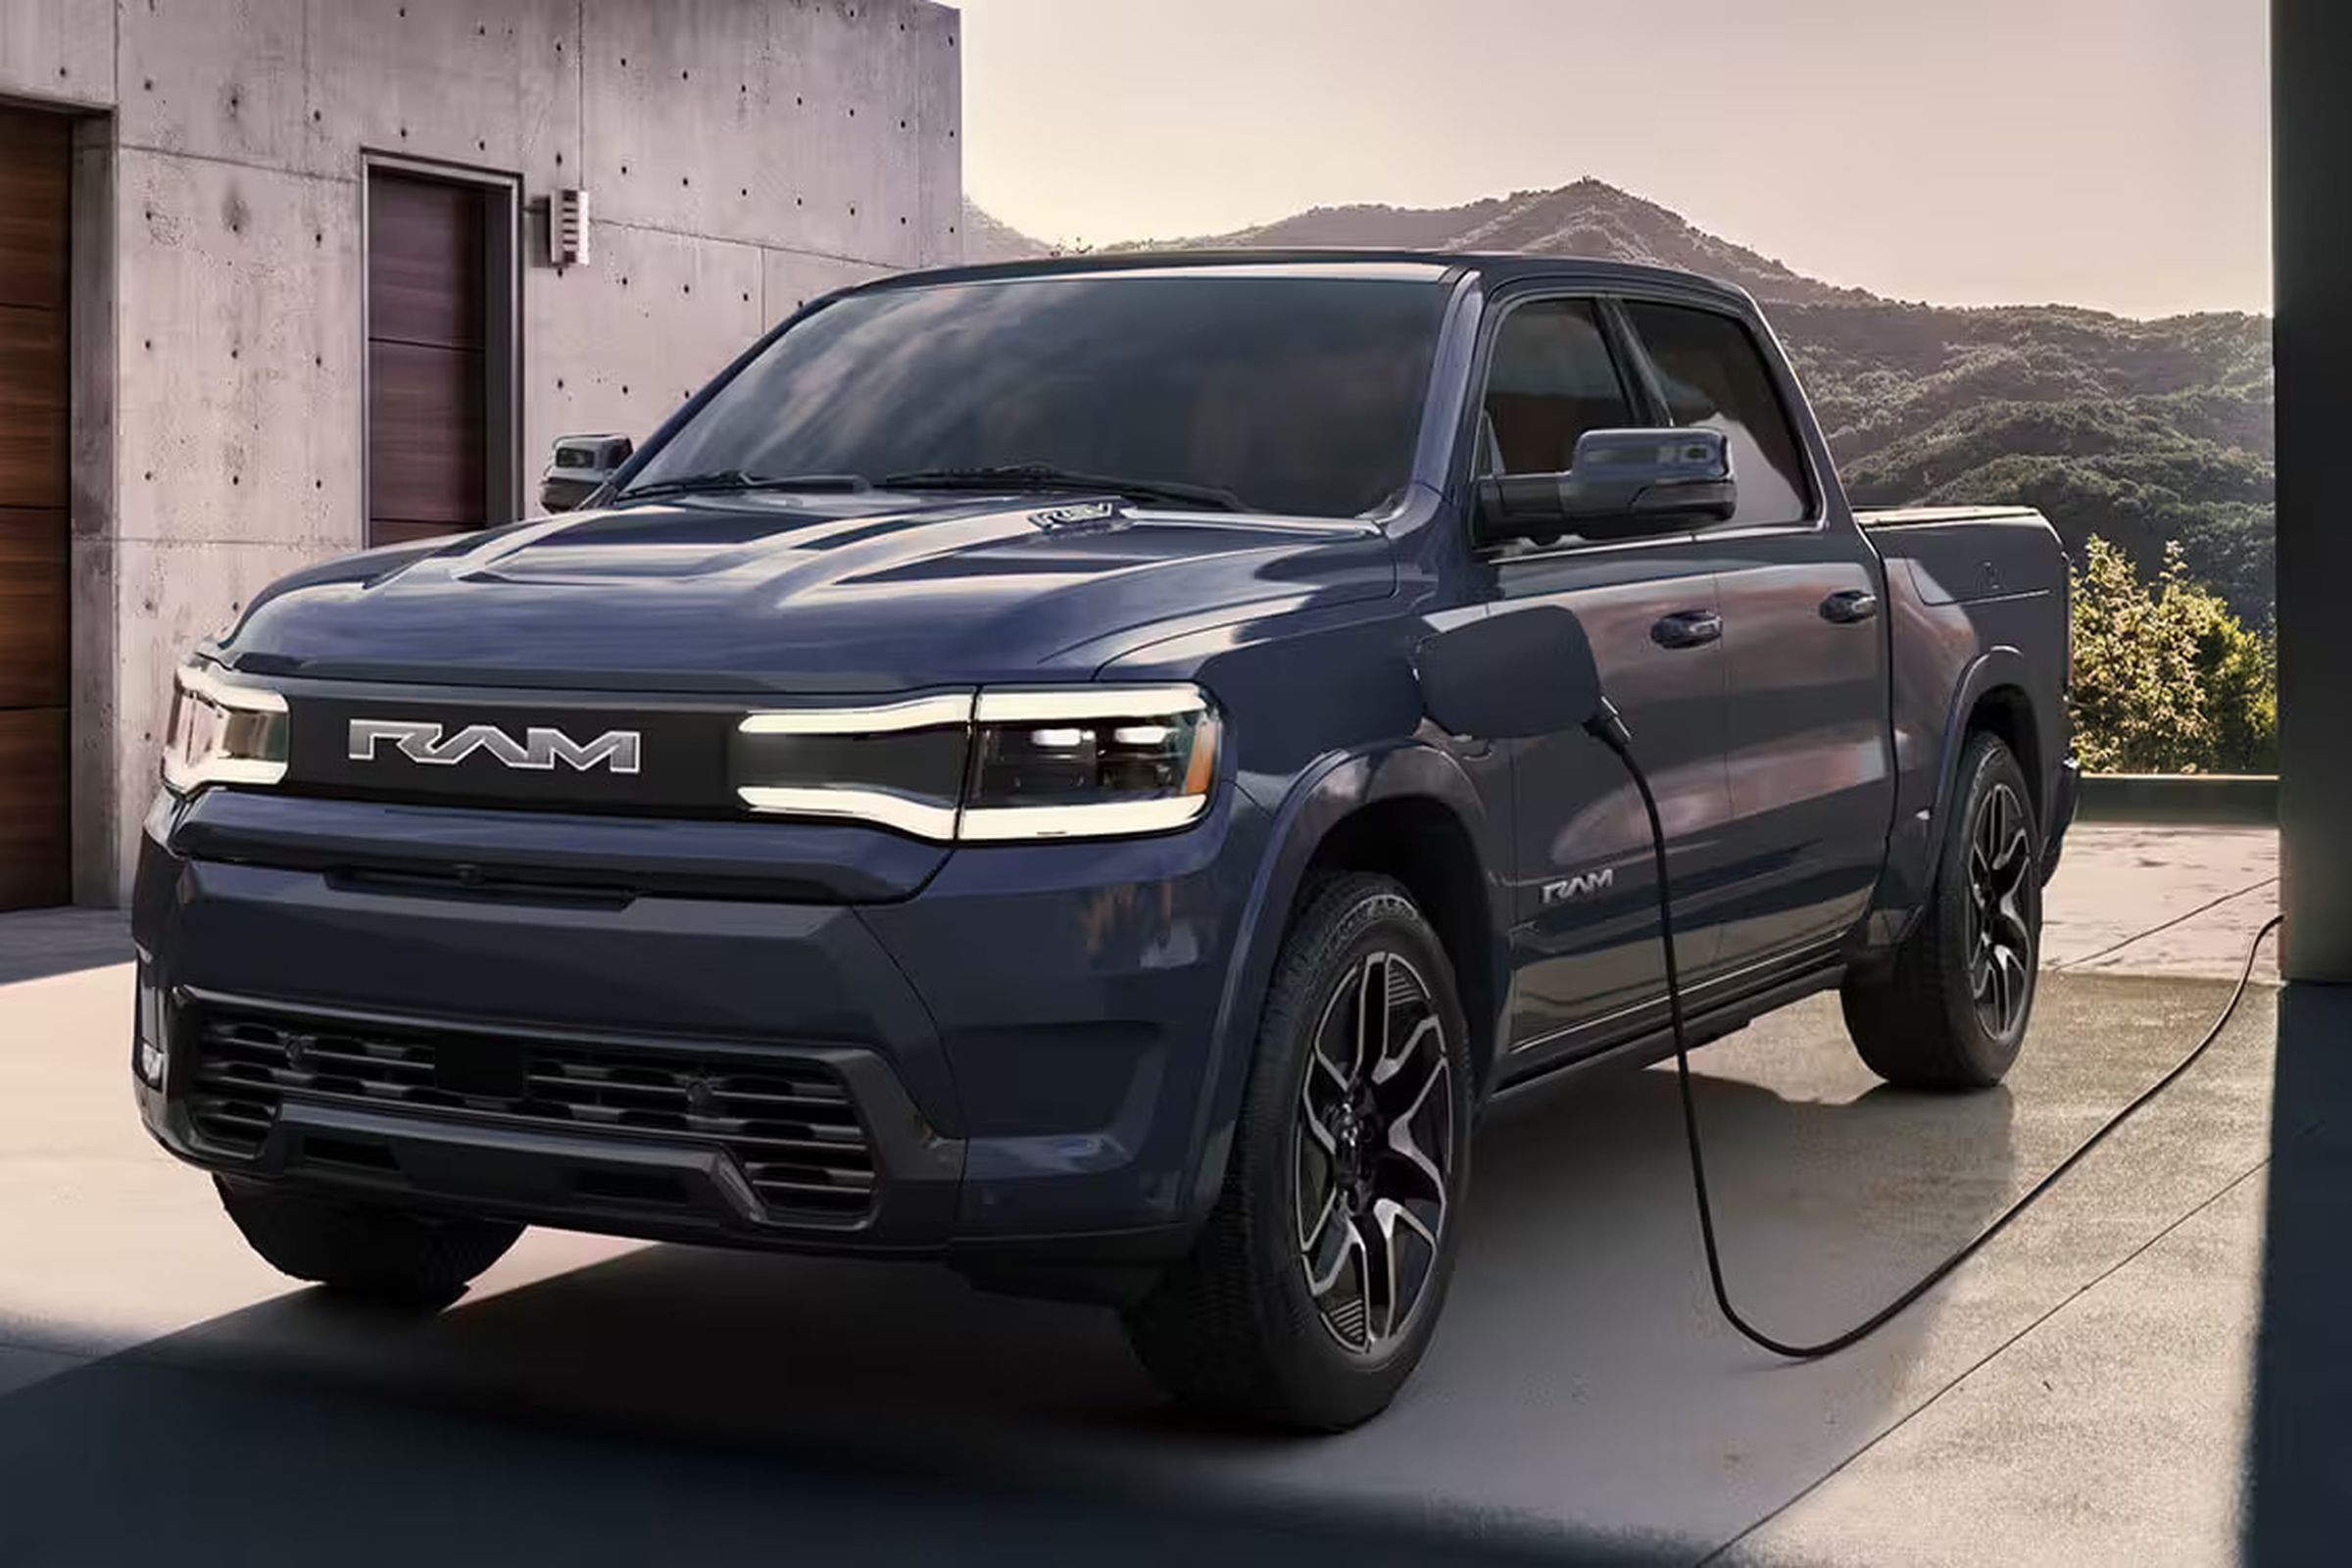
x=2078 y=1394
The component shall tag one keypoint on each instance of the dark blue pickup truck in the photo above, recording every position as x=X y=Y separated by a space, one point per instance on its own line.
x=964 y=789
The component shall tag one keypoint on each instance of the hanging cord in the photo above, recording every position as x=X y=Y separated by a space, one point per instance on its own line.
x=1612 y=732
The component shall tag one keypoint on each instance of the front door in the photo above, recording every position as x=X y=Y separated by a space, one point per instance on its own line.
x=1586 y=895
x=430 y=369
x=1807 y=748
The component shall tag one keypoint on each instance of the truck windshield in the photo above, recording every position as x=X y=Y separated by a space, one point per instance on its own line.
x=1291 y=394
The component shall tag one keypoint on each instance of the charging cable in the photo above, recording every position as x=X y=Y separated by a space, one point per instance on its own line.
x=1611 y=731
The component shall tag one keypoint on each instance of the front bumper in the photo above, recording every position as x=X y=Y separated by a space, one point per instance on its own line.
x=1024 y=1043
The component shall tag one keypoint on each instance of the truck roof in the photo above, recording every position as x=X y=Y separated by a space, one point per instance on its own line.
x=1496 y=267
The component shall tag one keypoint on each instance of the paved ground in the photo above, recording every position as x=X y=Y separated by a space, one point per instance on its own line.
x=2078 y=1394
x=2139 y=899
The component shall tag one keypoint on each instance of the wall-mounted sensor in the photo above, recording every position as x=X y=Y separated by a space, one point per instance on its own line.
x=568 y=228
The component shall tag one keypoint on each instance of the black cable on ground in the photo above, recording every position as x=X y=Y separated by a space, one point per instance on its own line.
x=1614 y=737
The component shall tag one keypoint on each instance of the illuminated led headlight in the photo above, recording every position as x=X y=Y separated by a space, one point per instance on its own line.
x=223 y=732
x=899 y=765
x=1009 y=763
x=1089 y=763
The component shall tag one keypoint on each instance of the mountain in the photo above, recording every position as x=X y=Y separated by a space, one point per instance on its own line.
x=987 y=239
x=2139 y=431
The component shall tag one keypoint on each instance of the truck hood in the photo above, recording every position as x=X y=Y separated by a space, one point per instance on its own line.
x=868 y=592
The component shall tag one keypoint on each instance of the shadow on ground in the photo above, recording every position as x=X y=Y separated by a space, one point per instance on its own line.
x=45 y=942
x=2301 y=1455
x=1581 y=1403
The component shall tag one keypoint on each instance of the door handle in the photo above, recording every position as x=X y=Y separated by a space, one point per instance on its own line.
x=1849 y=606
x=1686 y=628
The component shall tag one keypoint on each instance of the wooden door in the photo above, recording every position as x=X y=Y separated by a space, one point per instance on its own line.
x=428 y=424
x=35 y=844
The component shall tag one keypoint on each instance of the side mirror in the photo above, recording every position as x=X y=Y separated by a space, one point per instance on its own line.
x=582 y=463
x=1626 y=484
x=1514 y=674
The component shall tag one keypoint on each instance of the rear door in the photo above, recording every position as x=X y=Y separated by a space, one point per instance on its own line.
x=1585 y=901
x=1807 y=744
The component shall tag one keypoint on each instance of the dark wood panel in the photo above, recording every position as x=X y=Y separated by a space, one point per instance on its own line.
x=36 y=158
x=393 y=532
x=427 y=436
x=32 y=407
x=427 y=259
x=35 y=848
x=34 y=648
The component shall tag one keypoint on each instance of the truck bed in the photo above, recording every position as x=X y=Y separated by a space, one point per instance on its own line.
x=1964 y=553
x=1925 y=517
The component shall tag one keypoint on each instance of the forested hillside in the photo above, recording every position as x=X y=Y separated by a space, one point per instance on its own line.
x=2140 y=432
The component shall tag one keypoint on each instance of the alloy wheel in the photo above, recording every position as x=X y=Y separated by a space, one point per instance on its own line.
x=1375 y=1152
x=2000 y=942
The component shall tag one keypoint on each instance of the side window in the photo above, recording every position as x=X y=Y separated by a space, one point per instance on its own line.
x=1713 y=375
x=1551 y=380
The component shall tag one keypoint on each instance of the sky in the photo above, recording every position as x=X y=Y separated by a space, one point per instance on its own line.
x=2110 y=153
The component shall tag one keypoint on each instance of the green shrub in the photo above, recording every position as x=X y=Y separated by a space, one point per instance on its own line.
x=2167 y=678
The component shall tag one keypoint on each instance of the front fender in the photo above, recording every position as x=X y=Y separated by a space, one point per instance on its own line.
x=1322 y=797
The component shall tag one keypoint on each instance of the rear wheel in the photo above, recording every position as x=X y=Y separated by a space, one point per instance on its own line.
x=1952 y=1011
x=365 y=1250
x=1317 y=1280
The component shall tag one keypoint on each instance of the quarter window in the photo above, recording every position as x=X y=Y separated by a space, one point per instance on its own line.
x=1713 y=375
x=1551 y=379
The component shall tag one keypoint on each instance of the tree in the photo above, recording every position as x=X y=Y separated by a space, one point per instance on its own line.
x=2167 y=678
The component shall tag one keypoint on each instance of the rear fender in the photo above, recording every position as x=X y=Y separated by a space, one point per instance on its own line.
x=1918 y=837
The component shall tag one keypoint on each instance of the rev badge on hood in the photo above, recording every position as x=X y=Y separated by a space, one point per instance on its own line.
x=1088 y=514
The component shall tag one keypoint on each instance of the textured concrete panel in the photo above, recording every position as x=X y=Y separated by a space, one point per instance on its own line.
x=240 y=345
x=799 y=124
x=869 y=84
x=939 y=151
x=96 y=477
x=487 y=83
x=792 y=278
x=619 y=345
x=221 y=78
x=63 y=49
x=824 y=52
x=93 y=761
x=685 y=130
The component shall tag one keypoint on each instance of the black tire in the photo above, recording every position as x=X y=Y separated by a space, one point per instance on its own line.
x=364 y=1250
x=1935 y=1019
x=1236 y=1329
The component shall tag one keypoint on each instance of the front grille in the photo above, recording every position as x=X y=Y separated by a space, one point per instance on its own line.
x=788 y=1122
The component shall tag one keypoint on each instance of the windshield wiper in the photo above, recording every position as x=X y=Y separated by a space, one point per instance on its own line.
x=736 y=479
x=1045 y=476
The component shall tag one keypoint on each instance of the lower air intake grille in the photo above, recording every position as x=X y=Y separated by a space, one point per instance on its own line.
x=788 y=1121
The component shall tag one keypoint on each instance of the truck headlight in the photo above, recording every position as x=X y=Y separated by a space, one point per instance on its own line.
x=1083 y=763
x=223 y=732
x=998 y=766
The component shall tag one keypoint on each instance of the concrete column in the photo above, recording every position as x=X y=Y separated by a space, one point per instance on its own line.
x=2310 y=119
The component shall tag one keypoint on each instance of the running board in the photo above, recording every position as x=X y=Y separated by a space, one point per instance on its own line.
x=1706 y=1024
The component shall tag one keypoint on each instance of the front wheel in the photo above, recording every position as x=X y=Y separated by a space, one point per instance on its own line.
x=1317 y=1280
x=1952 y=1011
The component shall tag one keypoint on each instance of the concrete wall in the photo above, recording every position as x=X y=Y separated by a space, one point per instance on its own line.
x=742 y=156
